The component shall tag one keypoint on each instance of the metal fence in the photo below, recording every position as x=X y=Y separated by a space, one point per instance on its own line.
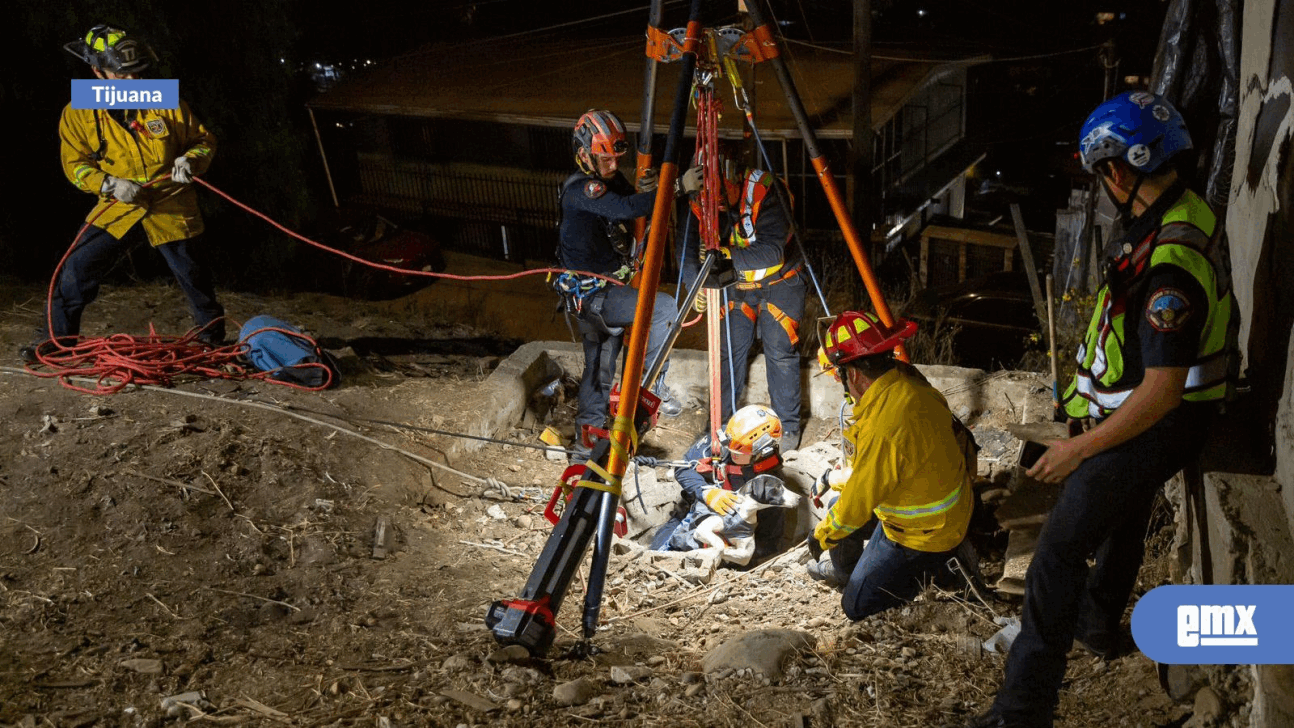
x=496 y=211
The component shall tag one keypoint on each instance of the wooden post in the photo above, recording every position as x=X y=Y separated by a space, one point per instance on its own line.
x=1031 y=270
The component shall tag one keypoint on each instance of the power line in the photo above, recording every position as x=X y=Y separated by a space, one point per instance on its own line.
x=964 y=60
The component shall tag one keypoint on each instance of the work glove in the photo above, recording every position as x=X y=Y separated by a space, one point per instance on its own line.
x=182 y=171
x=650 y=180
x=721 y=501
x=815 y=546
x=122 y=189
x=723 y=251
x=699 y=303
x=691 y=181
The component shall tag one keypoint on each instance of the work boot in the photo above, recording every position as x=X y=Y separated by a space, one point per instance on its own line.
x=1105 y=645
x=32 y=352
x=669 y=404
x=790 y=440
x=825 y=572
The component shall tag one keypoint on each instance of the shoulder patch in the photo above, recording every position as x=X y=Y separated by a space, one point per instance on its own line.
x=593 y=189
x=1168 y=309
x=156 y=127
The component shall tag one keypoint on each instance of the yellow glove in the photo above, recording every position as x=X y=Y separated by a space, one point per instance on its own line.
x=820 y=534
x=699 y=303
x=721 y=501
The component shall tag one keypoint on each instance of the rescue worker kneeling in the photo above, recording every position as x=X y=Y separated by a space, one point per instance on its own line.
x=740 y=511
x=907 y=469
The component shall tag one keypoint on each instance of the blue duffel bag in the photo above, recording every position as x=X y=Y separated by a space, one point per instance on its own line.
x=288 y=355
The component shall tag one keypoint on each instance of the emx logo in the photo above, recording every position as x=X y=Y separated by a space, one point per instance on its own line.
x=1209 y=625
x=1215 y=625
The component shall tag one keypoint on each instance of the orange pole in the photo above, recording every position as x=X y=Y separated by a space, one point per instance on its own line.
x=631 y=379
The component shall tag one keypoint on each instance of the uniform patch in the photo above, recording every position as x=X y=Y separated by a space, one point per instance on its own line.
x=156 y=127
x=1168 y=309
x=594 y=189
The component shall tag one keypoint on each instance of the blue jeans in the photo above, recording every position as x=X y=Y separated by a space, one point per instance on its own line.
x=1103 y=511
x=97 y=250
x=888 y=575
x=781 y=358
x=602 y=351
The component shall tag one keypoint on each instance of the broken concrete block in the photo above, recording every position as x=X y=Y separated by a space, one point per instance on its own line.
x=648 y=500
x=575 y=692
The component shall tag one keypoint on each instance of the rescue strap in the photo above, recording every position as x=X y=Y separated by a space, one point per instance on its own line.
x=788 y=324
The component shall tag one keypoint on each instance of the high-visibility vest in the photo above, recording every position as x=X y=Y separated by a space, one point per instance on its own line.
x=1182 y=240
x=755 y=190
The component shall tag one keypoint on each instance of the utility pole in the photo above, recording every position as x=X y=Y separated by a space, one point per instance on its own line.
x=861 y=161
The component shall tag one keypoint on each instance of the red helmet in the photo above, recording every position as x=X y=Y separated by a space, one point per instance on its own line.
x=599 y=132
x=855 y=334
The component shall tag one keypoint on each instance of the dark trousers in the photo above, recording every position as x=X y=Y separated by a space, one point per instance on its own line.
x=78 y=283
x=602 y=350
x=884 y=574
x=1103 y=511
x=780 y=355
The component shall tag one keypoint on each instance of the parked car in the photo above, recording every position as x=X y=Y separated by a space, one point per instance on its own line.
x=989 y=320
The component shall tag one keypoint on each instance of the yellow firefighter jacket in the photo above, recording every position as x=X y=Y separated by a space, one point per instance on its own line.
x=141 y=153
x=908 y=469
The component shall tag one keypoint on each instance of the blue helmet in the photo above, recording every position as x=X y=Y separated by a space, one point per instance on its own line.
x=1141 y=128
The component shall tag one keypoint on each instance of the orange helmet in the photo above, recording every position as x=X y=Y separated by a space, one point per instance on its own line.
x=598 y=132
x=856 y=334
x=754 y=429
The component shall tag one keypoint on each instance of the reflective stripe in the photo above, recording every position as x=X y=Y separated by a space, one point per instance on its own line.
x=759 y=274
x=835 y=523
x=1207 y=373
x=928 y=509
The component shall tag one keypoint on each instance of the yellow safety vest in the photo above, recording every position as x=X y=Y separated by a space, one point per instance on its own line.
x=1183 y=241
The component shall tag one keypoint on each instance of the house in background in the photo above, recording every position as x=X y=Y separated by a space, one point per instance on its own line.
x=473 y=140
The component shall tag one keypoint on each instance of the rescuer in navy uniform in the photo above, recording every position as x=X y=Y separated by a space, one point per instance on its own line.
x=1151 y=370
x=113 y=154
x=597 y=206
x=768 y=294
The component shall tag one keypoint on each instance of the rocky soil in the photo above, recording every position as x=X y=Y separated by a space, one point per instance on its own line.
x=241 y=557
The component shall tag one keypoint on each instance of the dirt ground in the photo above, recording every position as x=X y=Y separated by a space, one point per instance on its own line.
x=155 y=544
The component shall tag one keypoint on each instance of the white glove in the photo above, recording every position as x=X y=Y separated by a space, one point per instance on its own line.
x=182 y=171
x=650 y=180
x=691 y=181
x=122 y=189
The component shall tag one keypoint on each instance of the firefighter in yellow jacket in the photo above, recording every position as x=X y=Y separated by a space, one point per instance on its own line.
x=114 y=154
x=908 y=471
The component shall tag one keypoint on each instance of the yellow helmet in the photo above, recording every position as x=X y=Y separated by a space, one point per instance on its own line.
x=755 y=430
x=824 y=363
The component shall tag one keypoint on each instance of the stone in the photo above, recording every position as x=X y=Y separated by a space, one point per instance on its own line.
x=1180 y=681
x=762 y=651
x=693 y=689
x=647 y=500
x=511 y=653
x=524 y=521
x=556 y=454
x=575 y=692
x=626 y=675
x=496 y=512
x=143 y=665
x=513 y=705
x=454 y=663
x=1208 y=706
x=471 y=700
x=520 y=675
x=641 y=643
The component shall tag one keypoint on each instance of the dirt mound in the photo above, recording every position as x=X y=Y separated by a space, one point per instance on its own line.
x=166 y=556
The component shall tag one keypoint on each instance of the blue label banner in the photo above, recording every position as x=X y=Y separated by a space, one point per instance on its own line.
x=1216 y=624
x=153 y=93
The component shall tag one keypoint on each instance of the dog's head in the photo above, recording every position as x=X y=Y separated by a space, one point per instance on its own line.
x=768 y=491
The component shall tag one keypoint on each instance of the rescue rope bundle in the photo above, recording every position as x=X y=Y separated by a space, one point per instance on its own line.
x=121 y=360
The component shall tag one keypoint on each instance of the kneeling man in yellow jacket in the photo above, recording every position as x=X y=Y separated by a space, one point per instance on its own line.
x=908 y=470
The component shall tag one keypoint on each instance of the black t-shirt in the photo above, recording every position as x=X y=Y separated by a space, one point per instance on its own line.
x=1166 y=311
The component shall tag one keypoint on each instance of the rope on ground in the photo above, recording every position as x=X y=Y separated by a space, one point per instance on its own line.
x=490 y=484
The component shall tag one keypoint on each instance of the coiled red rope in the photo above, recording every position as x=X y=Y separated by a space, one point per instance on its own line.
x=120 y=360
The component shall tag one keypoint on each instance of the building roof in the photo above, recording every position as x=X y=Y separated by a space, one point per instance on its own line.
x=551 y=84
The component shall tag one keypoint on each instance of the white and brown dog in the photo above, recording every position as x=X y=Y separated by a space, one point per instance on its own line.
x=734 y=534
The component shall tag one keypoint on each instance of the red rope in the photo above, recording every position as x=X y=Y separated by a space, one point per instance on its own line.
x=707 y=142
x=120 y=360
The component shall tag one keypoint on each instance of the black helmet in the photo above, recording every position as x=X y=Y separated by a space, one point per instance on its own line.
x=111 y=49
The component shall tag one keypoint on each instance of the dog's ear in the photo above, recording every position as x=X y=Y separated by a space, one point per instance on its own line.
x=765 y=489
